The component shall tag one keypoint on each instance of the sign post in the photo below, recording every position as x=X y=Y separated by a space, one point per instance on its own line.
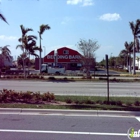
x=107 y=73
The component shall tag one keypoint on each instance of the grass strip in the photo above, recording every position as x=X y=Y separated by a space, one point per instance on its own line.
x=83 y=103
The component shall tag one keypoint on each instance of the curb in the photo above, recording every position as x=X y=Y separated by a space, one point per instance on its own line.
x=69 y=112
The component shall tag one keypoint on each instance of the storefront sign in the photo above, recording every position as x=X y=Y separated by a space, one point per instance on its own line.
x=64 y=57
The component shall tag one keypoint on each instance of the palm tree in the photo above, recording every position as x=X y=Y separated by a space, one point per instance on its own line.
x=5 y=53
x=126 y=53
x=135 y=27
x=28 y=41
x=41 y=31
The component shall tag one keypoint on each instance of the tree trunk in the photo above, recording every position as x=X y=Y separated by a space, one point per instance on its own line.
x=24 y=69
x=40 y=55
x=88 y=73
x=134 y=56
x=29 y=65
x=129 y=63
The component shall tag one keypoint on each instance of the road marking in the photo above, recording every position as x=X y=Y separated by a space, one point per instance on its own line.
x=61 y=114
x=138 y=118
x=63 y=132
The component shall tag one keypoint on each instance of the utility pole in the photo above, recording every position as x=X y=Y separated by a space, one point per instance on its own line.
x=107 y=74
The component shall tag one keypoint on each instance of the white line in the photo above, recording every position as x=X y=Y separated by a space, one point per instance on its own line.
x=63 y=132
x=138 y=118
x=61 y=114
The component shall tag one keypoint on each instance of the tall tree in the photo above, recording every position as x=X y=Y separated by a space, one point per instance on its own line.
x=5 y=54
x=88 y=48
x=5 y=51
x=41 y=31
x=28 y=45
x=135 y=27
x=126 y=53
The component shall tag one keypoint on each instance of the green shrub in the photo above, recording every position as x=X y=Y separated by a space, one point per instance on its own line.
x=76 y=101
x=52 y=96
x=68 y=100
x=113 y=102
x=48 y=96
x=29 y=76
x=106 y=102
x=41 y=77
x=65 y=78
x=119 y=103
x=137 y=103
x=14 y=96
x=37 y=96
x=27 y=96
x=129 y=104
x=0 y=98
x=88 y=101
x=51 y=78
x=99 y=102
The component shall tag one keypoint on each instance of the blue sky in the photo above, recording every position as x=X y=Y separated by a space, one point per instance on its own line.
x=106 y=21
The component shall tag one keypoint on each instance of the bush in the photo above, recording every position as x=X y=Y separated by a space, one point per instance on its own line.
x=30 y=97
x=41 y=77
x=65 y=78
x=51 y=78
x=129 y=104
x=29 y=76
x=88 y=101
x=119 y=103
x=27 y=96
x=113 y=102
x=106 y=102
x=14 y=96
x=48 y=96
x=68 y=100
x=76 y=101
x=99 y=102
x=137 y=103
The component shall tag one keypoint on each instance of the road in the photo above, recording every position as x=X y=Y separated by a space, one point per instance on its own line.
x=74 y=88
x=65 y=127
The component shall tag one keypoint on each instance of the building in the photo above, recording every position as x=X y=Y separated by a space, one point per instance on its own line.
x=62 y=57
x=137 y=63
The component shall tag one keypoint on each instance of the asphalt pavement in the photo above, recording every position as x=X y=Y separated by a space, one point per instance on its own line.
x=80 y=126
x=74 y=88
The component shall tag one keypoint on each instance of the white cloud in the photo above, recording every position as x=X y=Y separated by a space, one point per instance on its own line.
x=74 y=2
x=3 y=37
x=110 y=17
x=87 y=2
x=82 y=2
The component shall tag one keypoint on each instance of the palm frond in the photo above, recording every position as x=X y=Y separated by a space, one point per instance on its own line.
x=132 y=26
x=3 y=18
x=25 y=30
x=20 y=46
x=43 y=28
x=32 y=36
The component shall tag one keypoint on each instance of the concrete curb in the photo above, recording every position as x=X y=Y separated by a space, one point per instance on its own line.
x=69 y=112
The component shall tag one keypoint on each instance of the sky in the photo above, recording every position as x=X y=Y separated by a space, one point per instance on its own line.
x=105 y=21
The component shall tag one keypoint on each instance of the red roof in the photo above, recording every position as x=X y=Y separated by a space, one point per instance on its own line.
x=64 y=55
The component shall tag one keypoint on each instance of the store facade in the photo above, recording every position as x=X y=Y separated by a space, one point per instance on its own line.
x=64 y=57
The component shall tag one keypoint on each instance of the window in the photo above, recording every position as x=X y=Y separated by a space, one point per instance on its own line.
x=65 y=51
